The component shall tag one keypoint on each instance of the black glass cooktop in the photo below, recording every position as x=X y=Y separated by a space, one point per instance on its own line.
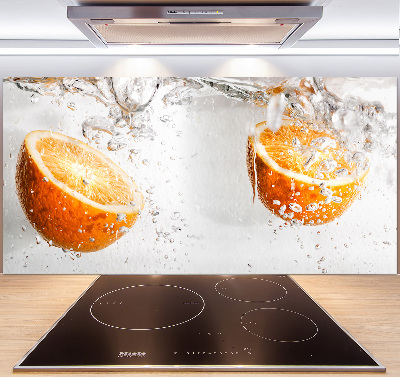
x=191 y=322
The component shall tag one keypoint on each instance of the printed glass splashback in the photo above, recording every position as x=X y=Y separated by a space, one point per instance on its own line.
x=148 y=175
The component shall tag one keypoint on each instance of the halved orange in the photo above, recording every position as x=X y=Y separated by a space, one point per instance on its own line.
x=302 y=173
x=73 y=195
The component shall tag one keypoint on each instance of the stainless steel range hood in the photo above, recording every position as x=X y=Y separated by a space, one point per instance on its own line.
x=113 y=26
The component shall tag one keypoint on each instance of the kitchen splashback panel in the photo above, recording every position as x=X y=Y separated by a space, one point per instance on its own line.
x=231 y=175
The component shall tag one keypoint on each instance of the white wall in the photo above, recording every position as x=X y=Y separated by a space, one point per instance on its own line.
x=200 y=66
x=358 y=66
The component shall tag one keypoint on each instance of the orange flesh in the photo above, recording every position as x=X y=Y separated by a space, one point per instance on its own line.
x=84 y=172
x=279 y=146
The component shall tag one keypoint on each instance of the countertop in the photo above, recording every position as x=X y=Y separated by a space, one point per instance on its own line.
x=368 y=307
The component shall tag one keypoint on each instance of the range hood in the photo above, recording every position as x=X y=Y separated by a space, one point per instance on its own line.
x=116 y=26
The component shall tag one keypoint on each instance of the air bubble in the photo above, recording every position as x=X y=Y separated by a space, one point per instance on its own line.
x=322 y=143
x=71 y=105
x=327 y=166
x=116 y=145
x=166 y=118
x=175 y=216
x=296 y=143
x=295 y=207
x=326 y=192
x=121 y=216
x=341 y=172
x=311 y=159
x=34 y=98
x=312 y=207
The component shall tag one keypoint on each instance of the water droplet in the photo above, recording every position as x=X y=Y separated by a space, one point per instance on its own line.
x=121 y=216
x=123 y=229
x=116 y=145
x=327 y=166
x=96 y=123
x=91 y=239
x=322 y=143
x=311 y=158
x=115 y=112
x=45 y=179
x=276 y=202
x=34 y=98
x=275 y=109
x=296 y=143
x=312 y=207
x=166 y=118
x=336 y=199
x=295 y=207
x=282 y=210
x=71 y=105
x=175 y=215
x=326 y=192
x=341 y=172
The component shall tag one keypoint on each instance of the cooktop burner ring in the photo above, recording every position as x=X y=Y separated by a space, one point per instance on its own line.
x=181 y=322
x=306 y=322
x=281 y=295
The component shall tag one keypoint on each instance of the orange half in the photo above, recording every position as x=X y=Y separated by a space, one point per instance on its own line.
x=73 y=195
x=302 y=174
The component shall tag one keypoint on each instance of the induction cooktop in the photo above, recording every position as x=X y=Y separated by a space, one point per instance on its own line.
x=197 y=322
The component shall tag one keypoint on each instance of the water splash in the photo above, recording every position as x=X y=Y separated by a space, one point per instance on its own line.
x=125 y=97
x=358 y=125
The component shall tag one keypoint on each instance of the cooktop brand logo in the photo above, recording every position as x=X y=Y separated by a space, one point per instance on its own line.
x=131 y=354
